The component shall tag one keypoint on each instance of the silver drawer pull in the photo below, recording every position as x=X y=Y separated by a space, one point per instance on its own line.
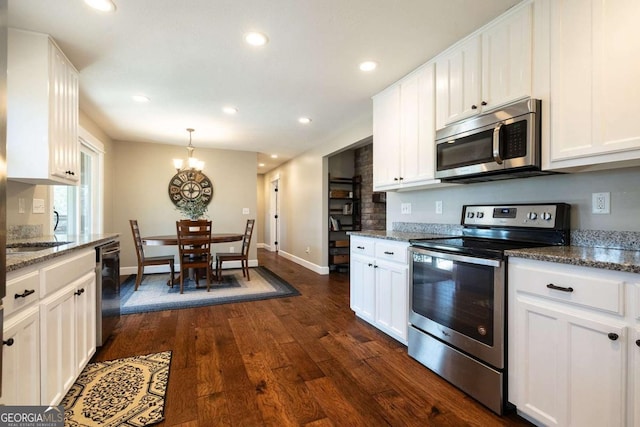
x=388 y=253
x=25 y=294
x=360 y=247
x=559 y=288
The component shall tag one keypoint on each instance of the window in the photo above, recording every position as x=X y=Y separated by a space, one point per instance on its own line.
x=78 y=210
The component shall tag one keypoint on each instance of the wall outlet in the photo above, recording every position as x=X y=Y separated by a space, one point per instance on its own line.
x=439 y=207
x=21 y=205
x=405 y=208
x=245 y=211
x=308 y=250
x=601 y=203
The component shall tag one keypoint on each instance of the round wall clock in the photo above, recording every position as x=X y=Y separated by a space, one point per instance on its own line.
x=190 y=185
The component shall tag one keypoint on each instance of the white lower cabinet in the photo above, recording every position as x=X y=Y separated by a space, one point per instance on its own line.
x=569 y=339
x=21 y=359
x=53 y=337
x=634 y=396
x=379 y=284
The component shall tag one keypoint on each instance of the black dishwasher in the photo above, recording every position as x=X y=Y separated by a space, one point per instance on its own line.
x=107 y=290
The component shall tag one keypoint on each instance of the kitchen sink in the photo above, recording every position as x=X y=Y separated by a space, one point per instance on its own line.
x=19 y=249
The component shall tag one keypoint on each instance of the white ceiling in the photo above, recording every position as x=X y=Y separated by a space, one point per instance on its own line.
x=189 y=57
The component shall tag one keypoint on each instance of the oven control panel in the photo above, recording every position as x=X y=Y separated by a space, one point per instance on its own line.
x=531 y=215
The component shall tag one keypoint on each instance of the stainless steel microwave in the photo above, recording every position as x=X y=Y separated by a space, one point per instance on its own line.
x=501 y=144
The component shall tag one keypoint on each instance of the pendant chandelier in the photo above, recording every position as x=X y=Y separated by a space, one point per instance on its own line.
x=192 y=164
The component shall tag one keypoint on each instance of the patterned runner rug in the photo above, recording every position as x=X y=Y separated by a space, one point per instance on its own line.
x=124 y=392
x=154 y=294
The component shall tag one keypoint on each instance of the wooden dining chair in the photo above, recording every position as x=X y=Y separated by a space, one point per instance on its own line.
x=242 y=256
x=194 y=248
x=144 y=261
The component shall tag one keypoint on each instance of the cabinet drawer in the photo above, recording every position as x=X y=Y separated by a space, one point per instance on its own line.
x=65 y=271
x=22 y=291
x=581 y=286
x=391 y=251
x=362 y=246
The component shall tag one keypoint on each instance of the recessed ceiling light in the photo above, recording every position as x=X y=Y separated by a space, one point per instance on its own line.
x=230 y=110
x=274 y=156
x=102 y=5
x=256 y=39
x=304 y=120
x=260 y=165
x=140 y=98
x=368 y=65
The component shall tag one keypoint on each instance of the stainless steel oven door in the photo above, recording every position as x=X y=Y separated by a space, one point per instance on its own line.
x=460 y=300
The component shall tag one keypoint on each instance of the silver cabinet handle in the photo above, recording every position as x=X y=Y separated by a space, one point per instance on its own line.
x=496 y=144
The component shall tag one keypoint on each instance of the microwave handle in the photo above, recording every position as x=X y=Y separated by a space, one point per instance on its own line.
x=496 y=144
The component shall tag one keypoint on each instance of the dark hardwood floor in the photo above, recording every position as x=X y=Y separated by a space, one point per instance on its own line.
x=305 y=360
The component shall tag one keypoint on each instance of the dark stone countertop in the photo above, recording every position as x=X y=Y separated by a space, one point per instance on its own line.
x=401 y=236
x=609 y=259
x=19 y=260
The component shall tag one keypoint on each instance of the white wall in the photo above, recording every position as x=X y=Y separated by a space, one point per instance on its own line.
x=574 y=189
x=302 y=197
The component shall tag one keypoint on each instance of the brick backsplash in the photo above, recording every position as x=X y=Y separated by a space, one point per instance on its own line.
x=374 y=215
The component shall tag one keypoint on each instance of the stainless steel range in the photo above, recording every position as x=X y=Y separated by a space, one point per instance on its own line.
x=458 y=293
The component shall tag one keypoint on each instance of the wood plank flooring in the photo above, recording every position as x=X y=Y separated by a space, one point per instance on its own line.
x=299 y=361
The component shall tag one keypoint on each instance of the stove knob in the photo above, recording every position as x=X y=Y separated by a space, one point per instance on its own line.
x=480 y=215
x=532 y=215
x=470 y=214
x=546 y=216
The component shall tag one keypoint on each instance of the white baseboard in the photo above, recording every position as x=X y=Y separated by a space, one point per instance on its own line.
x=261 y=245
x=152 y=269
x=303 y=262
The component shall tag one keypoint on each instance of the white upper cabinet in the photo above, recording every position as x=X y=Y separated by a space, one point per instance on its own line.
x=458 y=93
x=42 y=111
x=594 y=84
x=404 y=132
x=488 y=69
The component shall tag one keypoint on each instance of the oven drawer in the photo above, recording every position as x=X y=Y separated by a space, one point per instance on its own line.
x=582 y=286
x=362 y=246
x=391 y=251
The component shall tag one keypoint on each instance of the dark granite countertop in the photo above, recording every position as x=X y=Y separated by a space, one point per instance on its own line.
x=401 y=236
x=610 y=259
x=17 y=260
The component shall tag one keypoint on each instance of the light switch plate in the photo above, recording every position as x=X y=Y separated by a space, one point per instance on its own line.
x=38 y=206
x=245 y=211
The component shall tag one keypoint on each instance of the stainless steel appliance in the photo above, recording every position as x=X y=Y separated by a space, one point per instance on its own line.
x=107 y=290
x=500 y=144
x=458 y=293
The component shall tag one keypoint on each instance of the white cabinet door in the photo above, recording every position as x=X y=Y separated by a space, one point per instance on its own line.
x=594 y=82
x=386 y=139
x=566 y=364
x=634 y=395
x=362 y=286
x=507 y=58
x=42 y=134
x=85 y=311
x=392 y=299
x=458 y=80
x=21 y=359
x=57 y=344
x=417 y=130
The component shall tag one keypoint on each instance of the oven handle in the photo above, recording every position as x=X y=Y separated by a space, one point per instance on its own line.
x=461 y=258
x=496 y=144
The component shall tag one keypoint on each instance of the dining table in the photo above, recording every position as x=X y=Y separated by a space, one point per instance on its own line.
x=172 y=240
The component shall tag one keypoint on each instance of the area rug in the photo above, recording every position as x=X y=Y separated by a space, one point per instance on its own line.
x=124 y=392
x=154 y=294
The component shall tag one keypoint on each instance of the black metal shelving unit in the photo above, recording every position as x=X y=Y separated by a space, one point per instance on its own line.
x=344 y=215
